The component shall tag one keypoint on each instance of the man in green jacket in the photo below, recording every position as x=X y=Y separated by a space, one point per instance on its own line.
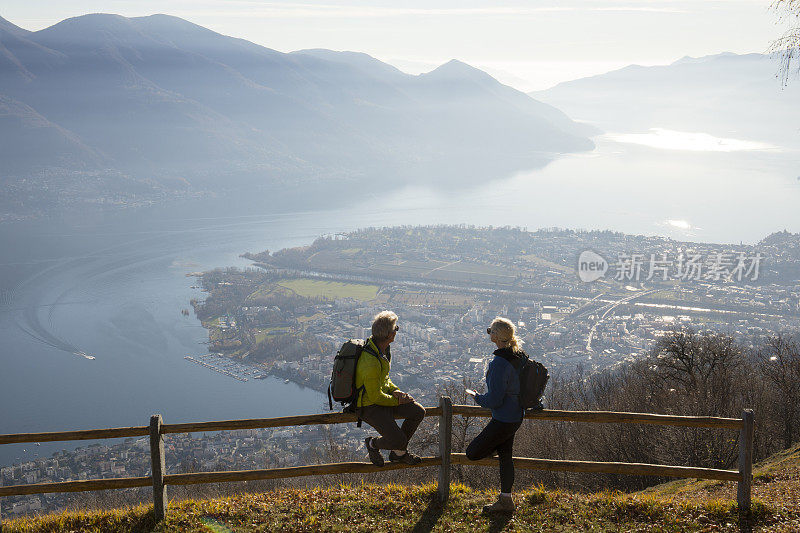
x=380 y=401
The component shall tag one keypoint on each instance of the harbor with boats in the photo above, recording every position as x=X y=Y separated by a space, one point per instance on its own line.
x=223 y=365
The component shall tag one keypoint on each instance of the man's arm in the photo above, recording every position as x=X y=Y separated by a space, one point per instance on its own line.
x=372 y=386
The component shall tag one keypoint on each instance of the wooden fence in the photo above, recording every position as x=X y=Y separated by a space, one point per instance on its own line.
x=160 y=479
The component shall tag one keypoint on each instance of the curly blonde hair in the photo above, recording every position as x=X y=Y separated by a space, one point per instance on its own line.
x=506 y=332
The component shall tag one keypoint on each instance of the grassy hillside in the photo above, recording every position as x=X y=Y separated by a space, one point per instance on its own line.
x=776 y=483
x=677 y=506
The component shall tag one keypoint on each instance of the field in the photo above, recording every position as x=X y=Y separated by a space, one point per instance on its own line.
x=433 y=299
x=440 y=271
x=262 y=333
x=540 y=262
x=331 y=290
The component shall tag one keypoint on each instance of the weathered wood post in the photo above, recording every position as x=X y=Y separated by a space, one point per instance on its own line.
x=158 y=468
x=445 y=446
x=745 y=462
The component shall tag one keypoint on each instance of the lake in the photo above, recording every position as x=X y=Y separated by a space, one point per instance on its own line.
x=113 y=285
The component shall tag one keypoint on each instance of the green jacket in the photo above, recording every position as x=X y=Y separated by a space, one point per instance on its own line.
x=372 y=373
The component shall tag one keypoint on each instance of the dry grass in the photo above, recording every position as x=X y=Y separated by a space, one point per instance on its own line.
x=678 y=506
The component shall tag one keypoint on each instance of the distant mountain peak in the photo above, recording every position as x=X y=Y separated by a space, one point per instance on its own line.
x=458 y=69
x=88 y=23
x=95 y=18
x=169 y=22
x=164 y=17
x=689 y=60
x=454 y=65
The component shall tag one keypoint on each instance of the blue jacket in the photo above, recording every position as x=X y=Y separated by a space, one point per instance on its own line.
x=502 y=383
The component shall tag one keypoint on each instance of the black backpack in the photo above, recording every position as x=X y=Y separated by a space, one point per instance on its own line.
x=533 y=378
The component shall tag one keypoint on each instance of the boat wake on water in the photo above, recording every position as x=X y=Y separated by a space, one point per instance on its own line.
x=34 y=328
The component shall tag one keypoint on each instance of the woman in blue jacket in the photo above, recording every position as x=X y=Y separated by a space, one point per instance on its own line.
x=502 y=397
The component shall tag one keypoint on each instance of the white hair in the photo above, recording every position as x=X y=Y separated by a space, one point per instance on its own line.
x=383 y=325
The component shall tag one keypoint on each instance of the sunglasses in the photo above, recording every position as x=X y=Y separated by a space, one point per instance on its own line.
x=396 y=327
x=489 y=331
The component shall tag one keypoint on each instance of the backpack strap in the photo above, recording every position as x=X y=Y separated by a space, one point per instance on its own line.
x=367 y=348
x=359 y=409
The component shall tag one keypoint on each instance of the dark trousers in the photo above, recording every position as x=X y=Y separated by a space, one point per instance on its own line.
x=382 y=418
x=497 y=436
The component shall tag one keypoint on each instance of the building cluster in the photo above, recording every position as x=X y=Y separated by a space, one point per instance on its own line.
x=530 y=278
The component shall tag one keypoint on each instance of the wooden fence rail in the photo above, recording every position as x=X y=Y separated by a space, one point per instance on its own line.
x=195 y=478
x=88 y=434
x=637 y=469
x=262 y=423
x=614 y=417
x=159 y=479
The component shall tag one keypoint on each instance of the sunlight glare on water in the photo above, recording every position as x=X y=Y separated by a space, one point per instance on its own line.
x=664 y=139
x=680 y=224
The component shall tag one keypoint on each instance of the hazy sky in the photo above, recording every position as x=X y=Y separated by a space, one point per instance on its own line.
x=531 y=45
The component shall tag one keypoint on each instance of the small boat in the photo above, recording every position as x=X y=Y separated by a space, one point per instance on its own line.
x=286 y=381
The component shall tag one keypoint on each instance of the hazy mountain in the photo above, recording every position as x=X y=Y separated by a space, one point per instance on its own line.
x=358 y=60
x=726 y=95
x=30 y=142
x=161 y=97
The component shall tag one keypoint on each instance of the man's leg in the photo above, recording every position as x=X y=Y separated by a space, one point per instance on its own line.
x=382 y=420
x=413 y=413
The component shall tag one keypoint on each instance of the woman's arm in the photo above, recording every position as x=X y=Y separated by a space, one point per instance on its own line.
x=496 y=387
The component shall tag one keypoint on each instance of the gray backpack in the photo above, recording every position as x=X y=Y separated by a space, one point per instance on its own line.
x=343 y=378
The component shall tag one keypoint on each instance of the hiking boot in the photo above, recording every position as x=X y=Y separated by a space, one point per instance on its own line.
x=407 y=458
x=374 y=453
x=504 y=504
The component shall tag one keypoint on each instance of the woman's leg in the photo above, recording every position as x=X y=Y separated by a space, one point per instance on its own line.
x=487 y=441
x=505 y=452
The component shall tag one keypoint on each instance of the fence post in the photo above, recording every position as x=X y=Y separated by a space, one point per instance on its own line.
x=158 y=468
x=445 y=446
x=745 y=462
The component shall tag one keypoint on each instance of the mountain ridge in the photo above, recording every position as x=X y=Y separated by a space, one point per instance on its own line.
x=162 y=97
x=727 y=95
